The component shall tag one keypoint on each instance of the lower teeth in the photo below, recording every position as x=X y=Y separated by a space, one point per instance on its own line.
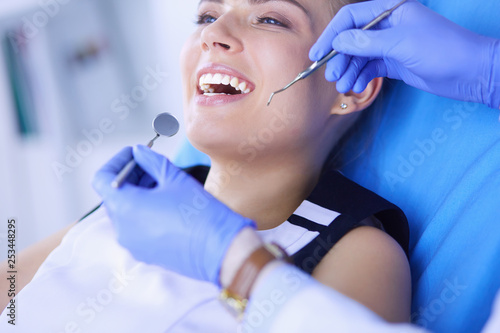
x=214 y=94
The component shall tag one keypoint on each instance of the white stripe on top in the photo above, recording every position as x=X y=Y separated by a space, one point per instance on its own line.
x=316 y=213
x=292 y=237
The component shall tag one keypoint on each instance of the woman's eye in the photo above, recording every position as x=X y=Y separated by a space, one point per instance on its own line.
x=205 y=19
x=272 y=21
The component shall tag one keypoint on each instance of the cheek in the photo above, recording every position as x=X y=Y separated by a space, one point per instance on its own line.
x=281 y=61
x=313 y=102
x=189 y=58
x=284 y=60
x=325 y=93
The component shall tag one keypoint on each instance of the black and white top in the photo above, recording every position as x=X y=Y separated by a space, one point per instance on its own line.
x=92 y=284
x=336 y=206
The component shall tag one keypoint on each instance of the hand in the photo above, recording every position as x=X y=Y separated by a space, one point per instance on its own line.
x=413 y=44
x=172 y=221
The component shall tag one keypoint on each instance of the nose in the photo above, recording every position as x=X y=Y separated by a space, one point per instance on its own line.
x=221 y=36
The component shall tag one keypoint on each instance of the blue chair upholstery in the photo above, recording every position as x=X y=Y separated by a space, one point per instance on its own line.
x=439 y=160
x=189 y=156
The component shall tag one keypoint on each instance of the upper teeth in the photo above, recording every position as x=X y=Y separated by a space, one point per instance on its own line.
x=208 y=79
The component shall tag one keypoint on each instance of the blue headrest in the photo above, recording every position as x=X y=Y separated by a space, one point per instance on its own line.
x=439 y=160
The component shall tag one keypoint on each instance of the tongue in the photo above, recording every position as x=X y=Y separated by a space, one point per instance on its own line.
x=223 y=89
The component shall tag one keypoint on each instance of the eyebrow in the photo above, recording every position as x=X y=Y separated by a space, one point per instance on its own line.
x=257 y=2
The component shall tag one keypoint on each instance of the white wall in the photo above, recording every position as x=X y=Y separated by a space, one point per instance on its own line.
x=173 y=24
x=18 y=184
x=8 y=7
x=29 y=190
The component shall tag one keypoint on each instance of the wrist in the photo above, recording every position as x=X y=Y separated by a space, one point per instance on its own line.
x=236 y=295
x=261 y=278
x=243 y=245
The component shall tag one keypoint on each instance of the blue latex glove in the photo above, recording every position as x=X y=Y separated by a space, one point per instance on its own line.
x=413 y=44
x=176 y=224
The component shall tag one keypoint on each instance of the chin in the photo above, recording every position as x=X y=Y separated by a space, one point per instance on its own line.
x=212 y=140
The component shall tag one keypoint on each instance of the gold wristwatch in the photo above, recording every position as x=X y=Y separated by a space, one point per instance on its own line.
x=236 y=295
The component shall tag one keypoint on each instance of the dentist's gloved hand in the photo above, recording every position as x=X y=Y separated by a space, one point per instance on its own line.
x=413 y=44
x=174 y=222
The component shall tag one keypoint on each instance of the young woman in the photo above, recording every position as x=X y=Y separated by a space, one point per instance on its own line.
x=268 y=164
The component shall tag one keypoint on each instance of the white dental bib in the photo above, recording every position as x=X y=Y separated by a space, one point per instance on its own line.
x=91 y=284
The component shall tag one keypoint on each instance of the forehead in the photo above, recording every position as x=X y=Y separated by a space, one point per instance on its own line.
x=256 y=2
x=312 y=8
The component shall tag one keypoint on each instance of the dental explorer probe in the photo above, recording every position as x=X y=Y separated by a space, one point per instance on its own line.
x=164 y=124
x=316 y=65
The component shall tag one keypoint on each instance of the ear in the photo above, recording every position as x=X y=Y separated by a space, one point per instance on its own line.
x=352 y=102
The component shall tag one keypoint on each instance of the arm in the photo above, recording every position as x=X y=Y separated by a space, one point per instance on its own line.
x=201 y=230
x=454 y=62
x=310 y=306
x=29 y=261
x=285 y=299
x=367 y=265
x=282 y=299
x=370 y=267
x=301 y=304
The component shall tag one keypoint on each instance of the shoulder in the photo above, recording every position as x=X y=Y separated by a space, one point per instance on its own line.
x=369 y=243
x=350 y=206
x=369 y=266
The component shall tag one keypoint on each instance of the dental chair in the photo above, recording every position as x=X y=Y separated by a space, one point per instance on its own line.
x=439 y=160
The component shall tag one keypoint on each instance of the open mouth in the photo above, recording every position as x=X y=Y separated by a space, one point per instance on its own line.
x=222 y=84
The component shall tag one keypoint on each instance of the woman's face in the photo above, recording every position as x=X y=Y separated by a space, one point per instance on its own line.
x=241 y=52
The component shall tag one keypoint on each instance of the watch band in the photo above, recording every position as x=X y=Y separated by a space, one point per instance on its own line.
x=236 y=295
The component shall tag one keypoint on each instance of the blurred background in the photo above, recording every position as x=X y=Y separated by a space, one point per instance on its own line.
x=79 y=80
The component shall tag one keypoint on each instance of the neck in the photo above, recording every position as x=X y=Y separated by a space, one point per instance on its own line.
x=272 y=186
x=267 y=195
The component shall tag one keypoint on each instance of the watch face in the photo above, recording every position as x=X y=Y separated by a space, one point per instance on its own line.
x=278 y=252
x=234 y=303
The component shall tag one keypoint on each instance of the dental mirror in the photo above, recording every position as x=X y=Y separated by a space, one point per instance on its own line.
x=164 y=124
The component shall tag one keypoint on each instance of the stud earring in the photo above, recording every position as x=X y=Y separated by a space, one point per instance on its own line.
x=343 y=106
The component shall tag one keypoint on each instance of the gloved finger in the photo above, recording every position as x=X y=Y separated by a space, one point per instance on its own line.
x=107 y=173
x=139 y=178
x=102 y=185
x=371 y=44
x=146 y=180
x=118 y=161
x=121 y=202
x=373 y=69
x=156 y=165
x=346 y=82
x=353 y=16
x=336 y=67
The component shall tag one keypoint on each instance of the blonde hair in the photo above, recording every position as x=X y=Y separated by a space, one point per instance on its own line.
x=335 y=5
x=372 y=115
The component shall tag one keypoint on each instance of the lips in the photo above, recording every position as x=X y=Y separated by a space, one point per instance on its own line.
x=219 y=84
